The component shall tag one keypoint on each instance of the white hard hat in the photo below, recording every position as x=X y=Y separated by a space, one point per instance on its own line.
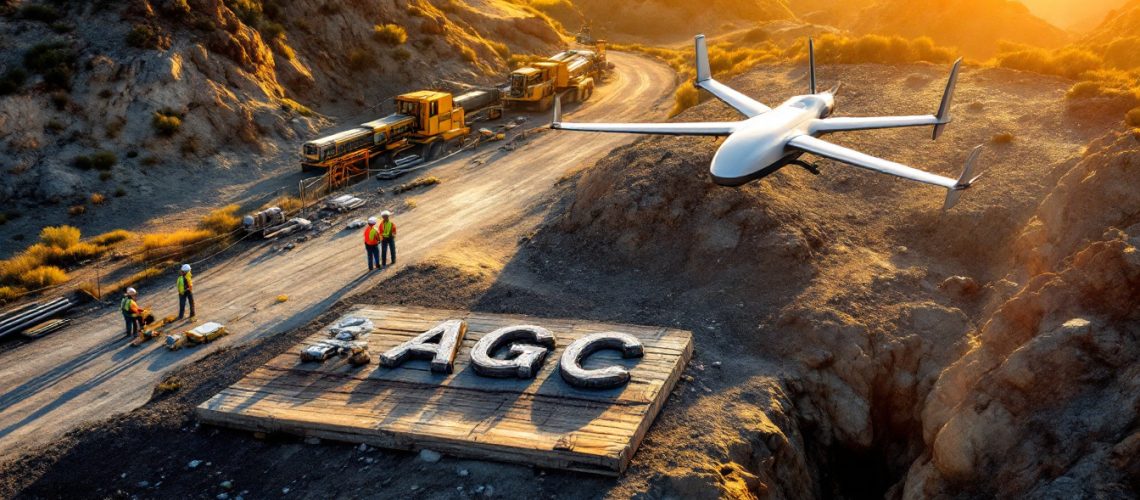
x=385 y=214
x=185 y=268
x=371 y=221
x=132 y=291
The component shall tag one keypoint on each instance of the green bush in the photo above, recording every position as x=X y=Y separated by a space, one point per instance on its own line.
x=12 y=80
x=145 y=36
x=391 y=34
x=55 y=61
x=39 y=12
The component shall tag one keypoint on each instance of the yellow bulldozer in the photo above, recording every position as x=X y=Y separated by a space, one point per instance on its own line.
x=572 y=73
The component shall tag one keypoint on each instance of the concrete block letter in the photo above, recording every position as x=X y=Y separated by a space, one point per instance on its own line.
x=570 y=366
x=438 y=344
x=524 y=360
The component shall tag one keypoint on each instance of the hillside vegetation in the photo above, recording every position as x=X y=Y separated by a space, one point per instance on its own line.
x=662 y=20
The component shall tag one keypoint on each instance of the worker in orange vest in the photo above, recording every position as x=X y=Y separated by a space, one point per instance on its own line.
x=132 y=313
x=387 y=238
x=372 y=243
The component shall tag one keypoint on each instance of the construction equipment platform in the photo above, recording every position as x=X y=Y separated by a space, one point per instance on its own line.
x=542 y=421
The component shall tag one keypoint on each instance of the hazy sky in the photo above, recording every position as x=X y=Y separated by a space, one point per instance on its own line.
x=1072 y=13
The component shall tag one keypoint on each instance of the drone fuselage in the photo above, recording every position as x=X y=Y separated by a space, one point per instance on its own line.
x=759 y=147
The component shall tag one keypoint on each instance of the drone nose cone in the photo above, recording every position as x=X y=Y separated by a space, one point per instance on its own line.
x=736 y=163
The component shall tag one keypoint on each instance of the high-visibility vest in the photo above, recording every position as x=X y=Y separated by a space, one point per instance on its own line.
x=389 y=229
x=371 y=235
x=185 y=284
x=129 y=306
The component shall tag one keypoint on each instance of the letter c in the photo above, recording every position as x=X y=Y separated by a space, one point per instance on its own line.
x=570 y=366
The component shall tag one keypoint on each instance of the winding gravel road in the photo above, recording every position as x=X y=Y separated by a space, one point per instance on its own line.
x=87 y=372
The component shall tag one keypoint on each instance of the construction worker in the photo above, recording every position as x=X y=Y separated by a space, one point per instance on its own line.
x=387 y=238
x=372 y=243
x=132 y=313
x=185 y=291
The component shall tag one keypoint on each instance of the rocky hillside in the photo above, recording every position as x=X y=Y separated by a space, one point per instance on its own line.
x=874 y=345
x=96 y=97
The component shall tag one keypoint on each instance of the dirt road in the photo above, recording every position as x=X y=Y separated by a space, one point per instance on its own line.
x=88 y=372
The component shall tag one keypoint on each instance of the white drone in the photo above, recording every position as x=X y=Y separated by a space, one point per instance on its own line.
x=769 y=139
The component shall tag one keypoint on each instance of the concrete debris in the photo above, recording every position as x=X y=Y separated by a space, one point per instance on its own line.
x=344 y=203
x=351 y=328
x=363 y=448
x=194 y=464
x=430 y=456
x=356 y=224
x=227 y=484
x=293 y=225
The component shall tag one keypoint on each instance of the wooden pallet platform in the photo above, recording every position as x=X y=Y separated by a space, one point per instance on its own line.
x=543 y=421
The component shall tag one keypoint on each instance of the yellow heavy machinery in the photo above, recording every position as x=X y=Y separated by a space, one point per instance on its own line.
x=572 y=73
x=427 y=121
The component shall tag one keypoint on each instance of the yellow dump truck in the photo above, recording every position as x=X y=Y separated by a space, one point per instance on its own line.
x=572 y=73
x=427 y=121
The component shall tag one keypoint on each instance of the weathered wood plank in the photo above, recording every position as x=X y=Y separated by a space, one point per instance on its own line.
x=541 y=421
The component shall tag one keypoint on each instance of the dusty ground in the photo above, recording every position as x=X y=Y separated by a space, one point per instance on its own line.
x=822 y=299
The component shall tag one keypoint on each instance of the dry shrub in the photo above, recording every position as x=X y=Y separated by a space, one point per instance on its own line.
x=287 y=204
x=1002 y=138
x=391 y=34
x=359 y=60
x=111 y=237
x=10 y=293
x=167 y=122
x=468 y=53
x=77 y=210
x=1133 y=117
x=180 y=238
x=42 y=276
x=838 y=49
x=222 y=220
x=97 y=199
x=60 y=236
x=1069 y=62
x=684 y=98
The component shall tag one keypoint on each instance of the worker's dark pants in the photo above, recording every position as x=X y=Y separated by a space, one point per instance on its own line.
x=134 y=324
x=373 y=255
x=385 y=245
x=182 y=300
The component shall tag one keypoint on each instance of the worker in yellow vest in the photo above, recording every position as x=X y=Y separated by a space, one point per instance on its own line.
x=372 y=243
x=132 y=313
x=387 y=238
x=185 y=292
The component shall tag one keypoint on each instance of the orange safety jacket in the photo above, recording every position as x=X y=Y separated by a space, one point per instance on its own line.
x=371 y=235
x=389 y=229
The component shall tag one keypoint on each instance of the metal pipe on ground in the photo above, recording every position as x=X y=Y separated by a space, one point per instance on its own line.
x=31 y=311
x=34 y=318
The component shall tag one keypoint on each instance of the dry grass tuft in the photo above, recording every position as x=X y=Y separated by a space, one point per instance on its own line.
x=111 y=237
x=222 y=220
x=97 y=199
x=42 y=276
x=181 y=237
x=430 y=180
x=391 y=34
x=288 y=204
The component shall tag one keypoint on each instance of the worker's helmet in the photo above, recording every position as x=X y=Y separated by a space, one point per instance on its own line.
x=132 y=292
x=385 y=214
x=185 y=268
x=371 y=221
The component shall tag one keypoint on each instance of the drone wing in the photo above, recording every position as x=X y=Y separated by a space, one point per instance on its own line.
x=939 y=121
x=691 y=128
x=839 y=153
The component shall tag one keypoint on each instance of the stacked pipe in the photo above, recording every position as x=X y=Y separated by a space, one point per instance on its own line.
x=24 y=317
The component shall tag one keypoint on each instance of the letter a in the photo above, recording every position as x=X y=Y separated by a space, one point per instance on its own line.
x=438 y=344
